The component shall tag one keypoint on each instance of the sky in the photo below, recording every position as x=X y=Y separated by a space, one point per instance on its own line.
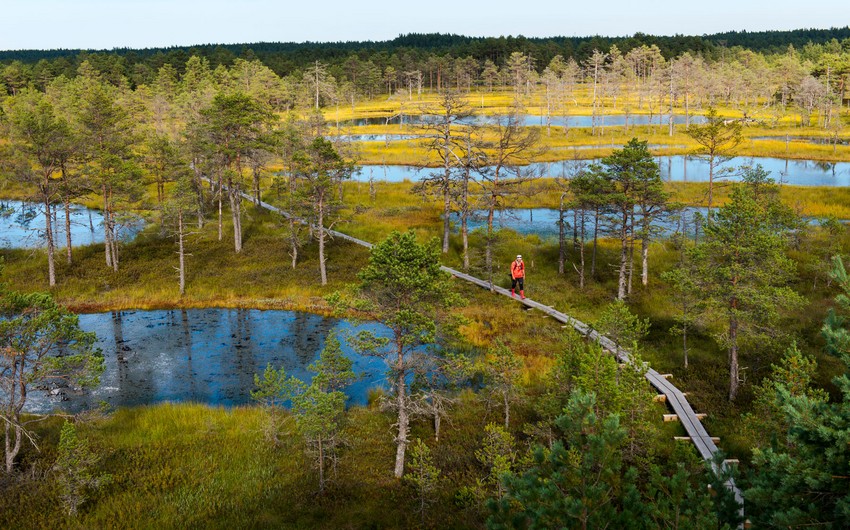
x=108 y=24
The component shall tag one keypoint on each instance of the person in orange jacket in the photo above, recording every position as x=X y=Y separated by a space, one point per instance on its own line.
x=518 y=276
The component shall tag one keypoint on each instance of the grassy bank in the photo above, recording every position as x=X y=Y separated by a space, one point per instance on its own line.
x=193 y=466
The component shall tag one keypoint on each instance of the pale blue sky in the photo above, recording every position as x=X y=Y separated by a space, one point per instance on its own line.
x=106 y=24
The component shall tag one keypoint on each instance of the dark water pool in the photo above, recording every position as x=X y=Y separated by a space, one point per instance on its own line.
x=207 y=356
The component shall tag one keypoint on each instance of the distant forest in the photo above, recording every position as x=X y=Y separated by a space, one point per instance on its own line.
x=809 y=69
x=286 y=58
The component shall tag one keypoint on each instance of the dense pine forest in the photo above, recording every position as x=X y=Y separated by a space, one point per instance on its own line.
x=367 y=64
x=287 y=212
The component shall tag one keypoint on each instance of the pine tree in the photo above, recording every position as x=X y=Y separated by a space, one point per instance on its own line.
x=503 y=371
x=803 y=482
x=404 y=289
x=576 y=483
x=227 y=132
x=320 y=169
x=633 y=179
x=424 y=476
x=43 y=347
x=41 y=143
x=75 y=469
x=742 y=274
x=318 y=408
x=718 y=139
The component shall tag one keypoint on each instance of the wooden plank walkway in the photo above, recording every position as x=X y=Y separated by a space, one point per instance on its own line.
x=674 y=397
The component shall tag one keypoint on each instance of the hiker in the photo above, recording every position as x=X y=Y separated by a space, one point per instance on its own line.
x=518 y=276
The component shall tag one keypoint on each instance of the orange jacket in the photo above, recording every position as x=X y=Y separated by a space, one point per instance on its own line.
x=517 y=269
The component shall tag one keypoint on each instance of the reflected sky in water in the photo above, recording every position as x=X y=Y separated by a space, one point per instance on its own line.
x=22 y=226
x=614 y=120
x=207 y=356
x=679 y=168
x=543 y=222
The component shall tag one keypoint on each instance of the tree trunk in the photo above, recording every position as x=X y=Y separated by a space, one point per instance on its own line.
x=581 y=253
x=293 y=235
x=733 y=354
x=236 y=213
x=181 y=253
x=595 y=240
x=507 y=411
x=220 y=223
x=447 y=209
x=112 y=239
x=12 y=450
x=48 y=234
x=321 y=229
x=624 y=257
x=562 y=251
x=200 y=196
x=644 y=254
x=631 y=257
x=464 y=217
x=670 y=118
x=106 y=238
x=464 y=235
x=575 y=229
x=710 y=186
x=403 y=422
x=488 y=248
x=68 y=231
x=293 y=241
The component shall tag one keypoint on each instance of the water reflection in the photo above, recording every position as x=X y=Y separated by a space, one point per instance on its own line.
x=543 y=222
x=613 y=120
x=22 y=225
x=806 y=139
x=206 y=355
x=375 y=137
x=673 y=168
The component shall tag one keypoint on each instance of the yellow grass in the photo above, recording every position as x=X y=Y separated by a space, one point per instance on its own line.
x=557 y=140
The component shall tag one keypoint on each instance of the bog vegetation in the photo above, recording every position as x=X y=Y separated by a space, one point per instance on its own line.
x=491 y=415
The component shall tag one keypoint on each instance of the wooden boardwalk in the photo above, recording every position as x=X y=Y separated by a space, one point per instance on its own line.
x=674 y=397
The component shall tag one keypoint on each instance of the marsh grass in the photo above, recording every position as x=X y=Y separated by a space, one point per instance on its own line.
x=192 y=466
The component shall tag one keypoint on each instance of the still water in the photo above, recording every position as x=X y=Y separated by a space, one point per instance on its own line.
x=613 y=120
x=22 y=226
x=679 y=168
x=543 y=222
x=207 y=356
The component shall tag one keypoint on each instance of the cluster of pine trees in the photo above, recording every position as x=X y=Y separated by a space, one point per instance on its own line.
x=811 y=74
